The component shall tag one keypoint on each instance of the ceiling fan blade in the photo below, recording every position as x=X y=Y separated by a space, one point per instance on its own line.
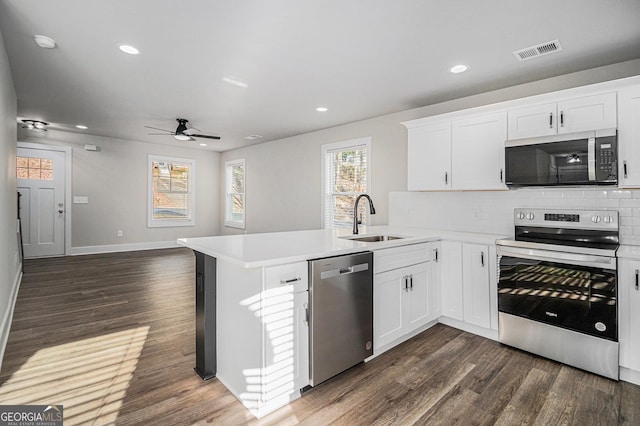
x=205 y=136
x=161 y=134
x=156 y=128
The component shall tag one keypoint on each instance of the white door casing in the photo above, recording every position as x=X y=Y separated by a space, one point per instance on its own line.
x=43 y=206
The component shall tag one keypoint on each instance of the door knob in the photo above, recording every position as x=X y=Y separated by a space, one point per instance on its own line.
x=60 y=211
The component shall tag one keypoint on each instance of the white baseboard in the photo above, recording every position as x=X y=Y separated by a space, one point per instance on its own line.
x=631 y=376
x=115 y=248
x=5 y=325
x=473 y=329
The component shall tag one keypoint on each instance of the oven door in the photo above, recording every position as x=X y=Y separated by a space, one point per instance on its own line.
x=568 y=290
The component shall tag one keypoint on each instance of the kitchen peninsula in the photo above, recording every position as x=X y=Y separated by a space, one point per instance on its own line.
x=252 y=300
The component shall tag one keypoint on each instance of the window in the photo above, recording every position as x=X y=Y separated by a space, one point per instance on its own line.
x=346 y=174
x=234 y=193
x=34 y=168
x=171 y=192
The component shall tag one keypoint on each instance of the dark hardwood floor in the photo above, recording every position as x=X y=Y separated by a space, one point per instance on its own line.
x=111 y=337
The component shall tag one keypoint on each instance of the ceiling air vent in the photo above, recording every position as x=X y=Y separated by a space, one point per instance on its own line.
x=538 y=50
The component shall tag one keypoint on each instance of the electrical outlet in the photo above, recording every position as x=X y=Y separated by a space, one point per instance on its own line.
x=119 y=233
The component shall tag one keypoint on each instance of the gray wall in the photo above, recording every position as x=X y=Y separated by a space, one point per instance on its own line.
x=283 y=177
x=115 y=180
x=9 y=267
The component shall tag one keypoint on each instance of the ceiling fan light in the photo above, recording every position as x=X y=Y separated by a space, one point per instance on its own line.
x=181 y=137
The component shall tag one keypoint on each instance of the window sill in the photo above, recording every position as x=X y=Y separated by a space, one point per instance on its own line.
x=170 y=224
x=238 y=225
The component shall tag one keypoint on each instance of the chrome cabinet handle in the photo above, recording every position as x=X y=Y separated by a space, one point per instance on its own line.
x=551 y=120
x=637 y=283
x=561 y=118
x=292 y=280
x=406 y=283
x=446 y=178
x=482 y=258
x=411 y=282
x=435 y=251
x=306 y=313
x=501 y=180
x=624 y=168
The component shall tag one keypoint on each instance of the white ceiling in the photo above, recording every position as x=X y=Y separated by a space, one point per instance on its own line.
x=359 y=58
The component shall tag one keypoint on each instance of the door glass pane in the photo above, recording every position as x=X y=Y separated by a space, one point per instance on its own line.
x=34 y=168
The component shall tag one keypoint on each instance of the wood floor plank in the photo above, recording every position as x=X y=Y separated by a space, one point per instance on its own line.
x=111 y=337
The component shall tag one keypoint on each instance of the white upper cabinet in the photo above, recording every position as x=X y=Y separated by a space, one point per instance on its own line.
x=478 y=152
x=567 y=116
x=429 y=157
x=533 y=121
x=629 y=137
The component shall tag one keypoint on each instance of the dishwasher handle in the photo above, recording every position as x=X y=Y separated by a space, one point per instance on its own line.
x=344 y=271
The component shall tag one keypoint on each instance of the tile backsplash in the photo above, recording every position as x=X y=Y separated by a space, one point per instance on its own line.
x=492 y=211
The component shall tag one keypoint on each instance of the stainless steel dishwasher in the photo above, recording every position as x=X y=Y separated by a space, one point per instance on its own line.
x=341 y=317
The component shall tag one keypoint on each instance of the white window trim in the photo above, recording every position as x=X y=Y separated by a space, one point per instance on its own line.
x=240 y=224
x=158 y=223
x=366 y=142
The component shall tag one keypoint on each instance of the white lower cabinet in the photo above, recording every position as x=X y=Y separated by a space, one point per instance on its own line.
x=262 y=333
x=629 y=313
x=465 y=282
x=450 y=265
x=405 y=298
x=475 y=285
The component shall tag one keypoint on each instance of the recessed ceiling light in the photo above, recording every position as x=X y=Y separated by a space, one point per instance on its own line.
x=129 y=49
x=457 y=69
x=252 y=137
x=234 y=81
x=81 y=127
x=44 y=41
x=203 y=144
x=322 y=109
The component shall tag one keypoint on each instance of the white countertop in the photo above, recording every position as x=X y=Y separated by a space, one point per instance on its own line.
x=269 y=249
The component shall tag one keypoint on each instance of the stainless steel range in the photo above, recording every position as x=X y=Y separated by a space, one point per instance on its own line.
x=557 y=287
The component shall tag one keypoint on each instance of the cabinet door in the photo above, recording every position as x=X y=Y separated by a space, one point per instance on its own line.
x=417 y=296
x=475 y=278
x=450 y=259
x=477 y=146
x=429 y=158
x=629 y=313
x=388 y=290
x=533 y=121
x=587 y=113
x=629 y=137
x=301 y=340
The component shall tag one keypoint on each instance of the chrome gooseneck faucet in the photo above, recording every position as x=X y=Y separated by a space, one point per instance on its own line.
x=372 y=210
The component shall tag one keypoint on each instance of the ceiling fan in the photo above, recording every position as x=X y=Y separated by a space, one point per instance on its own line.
x=182 y=132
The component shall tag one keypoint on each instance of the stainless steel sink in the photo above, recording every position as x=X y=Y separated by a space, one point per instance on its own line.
x=375 y=238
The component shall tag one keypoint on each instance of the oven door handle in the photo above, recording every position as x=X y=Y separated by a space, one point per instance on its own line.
x=588 y=260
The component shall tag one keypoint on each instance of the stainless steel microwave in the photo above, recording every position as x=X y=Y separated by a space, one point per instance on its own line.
x=587 y=158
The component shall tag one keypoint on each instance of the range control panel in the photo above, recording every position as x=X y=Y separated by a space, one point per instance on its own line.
x=579 y=219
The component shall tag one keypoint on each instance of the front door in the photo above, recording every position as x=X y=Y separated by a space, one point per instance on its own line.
x=41 y=183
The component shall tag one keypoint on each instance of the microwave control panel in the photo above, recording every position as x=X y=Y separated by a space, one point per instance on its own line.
x=607 y=159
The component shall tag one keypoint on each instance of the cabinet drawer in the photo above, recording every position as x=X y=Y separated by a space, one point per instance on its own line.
x=293 y=274
x=399 y=257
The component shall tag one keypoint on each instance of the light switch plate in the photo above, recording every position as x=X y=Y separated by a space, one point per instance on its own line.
x=80 y=200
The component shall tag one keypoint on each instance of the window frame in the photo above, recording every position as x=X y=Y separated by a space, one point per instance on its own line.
x=228 y=220
x=159 y=223
x=327 y=221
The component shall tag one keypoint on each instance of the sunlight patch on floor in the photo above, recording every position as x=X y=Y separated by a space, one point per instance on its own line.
x=88 y=377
